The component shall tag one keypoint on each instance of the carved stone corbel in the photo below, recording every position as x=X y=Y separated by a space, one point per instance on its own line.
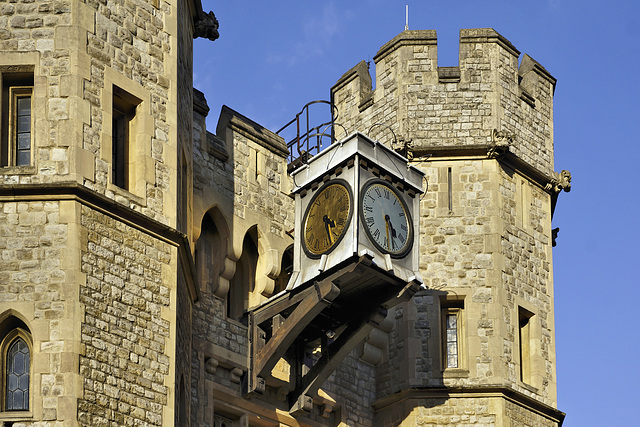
x=560 y=181
x=211 y=365
x=236 y=375
x=206 y=26
x=500 y=143
x=327 y=409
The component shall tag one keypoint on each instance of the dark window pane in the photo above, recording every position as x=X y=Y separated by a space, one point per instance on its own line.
x=18 y=401
x=24 y=158
x=23 y=382
x=24 y=106
x=24 y=123
x=18 y=364
x=12 y=384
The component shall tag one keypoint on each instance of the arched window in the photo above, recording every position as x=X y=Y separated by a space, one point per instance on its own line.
x=18 y=363
x=15 y=348
x=286 y=268
x=244 y=280
x=209 y=255
x=182 y=403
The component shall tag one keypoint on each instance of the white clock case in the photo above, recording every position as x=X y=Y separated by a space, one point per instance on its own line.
x=356 y=159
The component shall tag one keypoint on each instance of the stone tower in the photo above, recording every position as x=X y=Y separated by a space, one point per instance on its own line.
x=479 y=345
x=134 y=242
x=95 y=167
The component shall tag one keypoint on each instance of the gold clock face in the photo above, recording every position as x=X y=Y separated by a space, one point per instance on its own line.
x=386 y=218
x=327 y=218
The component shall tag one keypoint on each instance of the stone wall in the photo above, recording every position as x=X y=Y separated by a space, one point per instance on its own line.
x=353 y=386
x=124 y=364
x=33 y=240
x=427 y=107
x=443 y=411
x=483 y=134
x=130 y=45
x=527 y=280
x=240 y=182
x=30 y=33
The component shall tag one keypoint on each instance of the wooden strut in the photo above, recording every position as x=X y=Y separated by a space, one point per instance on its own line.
x=303 y=307
x=331 y=358
x=355 y=331
x=310 y=303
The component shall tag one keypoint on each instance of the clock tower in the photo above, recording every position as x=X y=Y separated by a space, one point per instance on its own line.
x=356 y=198
x=355 y=256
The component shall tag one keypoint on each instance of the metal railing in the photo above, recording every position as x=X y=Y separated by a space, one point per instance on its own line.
x=309 y=140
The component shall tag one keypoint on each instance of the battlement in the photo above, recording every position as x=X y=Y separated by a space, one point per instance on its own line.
x=430 y=107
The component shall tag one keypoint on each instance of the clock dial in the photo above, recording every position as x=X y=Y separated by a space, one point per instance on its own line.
x=327 y=218
x=386 y=218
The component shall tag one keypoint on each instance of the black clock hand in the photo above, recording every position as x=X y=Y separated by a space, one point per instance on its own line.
x=393 y=230
x=328 y=223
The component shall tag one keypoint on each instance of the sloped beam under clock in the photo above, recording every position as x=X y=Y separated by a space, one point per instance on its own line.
x=355 y=331
x=308 y=304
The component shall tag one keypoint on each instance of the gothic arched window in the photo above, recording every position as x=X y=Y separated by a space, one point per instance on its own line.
x=244 y=279
x=17 y=363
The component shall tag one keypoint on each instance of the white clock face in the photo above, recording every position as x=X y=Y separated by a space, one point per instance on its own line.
x=386 y=218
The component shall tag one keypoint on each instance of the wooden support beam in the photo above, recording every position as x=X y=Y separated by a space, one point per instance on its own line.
x=355 y=332
x=310 y=304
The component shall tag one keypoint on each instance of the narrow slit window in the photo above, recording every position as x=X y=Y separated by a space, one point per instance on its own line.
x=449 y=190
x=524 y=335
x=17 y=119
x=23 y=128
x=123 y=116
x=452 y=342
x=451 y=333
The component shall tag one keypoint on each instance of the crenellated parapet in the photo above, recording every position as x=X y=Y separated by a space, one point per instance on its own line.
x=431 y=108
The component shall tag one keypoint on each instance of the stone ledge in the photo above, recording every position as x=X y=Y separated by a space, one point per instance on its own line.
x=488 y=391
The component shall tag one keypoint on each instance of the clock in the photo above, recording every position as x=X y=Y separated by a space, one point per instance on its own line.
x=327 y=218
x=386 y=218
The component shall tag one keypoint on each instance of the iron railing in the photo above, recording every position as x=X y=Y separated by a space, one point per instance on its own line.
x=309 y=140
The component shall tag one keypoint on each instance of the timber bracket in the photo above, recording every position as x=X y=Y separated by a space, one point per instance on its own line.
x=313 y=327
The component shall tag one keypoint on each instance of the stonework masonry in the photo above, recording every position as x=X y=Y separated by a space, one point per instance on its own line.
x=135 y=242
x=91 y=268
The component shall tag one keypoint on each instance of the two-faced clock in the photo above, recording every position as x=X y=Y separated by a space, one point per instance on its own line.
x=327 y=218
x=386 y=218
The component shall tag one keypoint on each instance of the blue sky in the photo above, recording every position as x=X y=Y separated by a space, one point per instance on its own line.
x=274 y=57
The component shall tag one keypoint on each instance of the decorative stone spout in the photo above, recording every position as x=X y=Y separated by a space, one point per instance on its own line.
x=206 y=26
